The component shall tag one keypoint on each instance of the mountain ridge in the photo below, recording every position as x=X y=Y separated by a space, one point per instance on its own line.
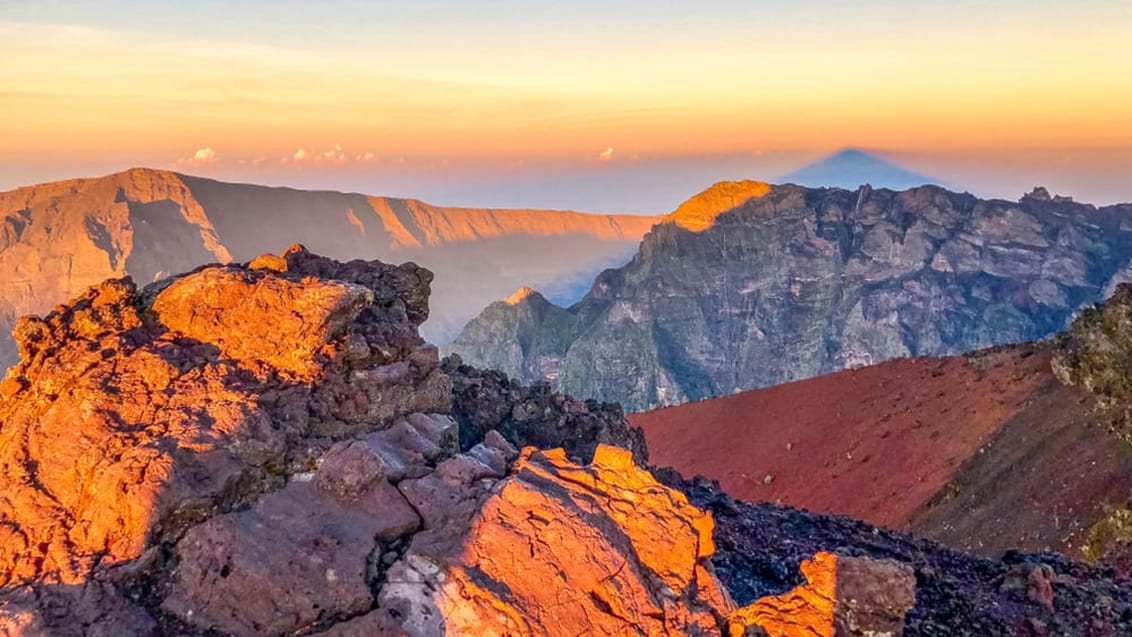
x=56 y=238
x=800 y=282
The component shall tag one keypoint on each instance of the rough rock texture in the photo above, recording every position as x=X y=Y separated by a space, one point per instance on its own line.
x=1095 y=353
x=485 y=400
x=842 y=597
x=761 y=547
x=58 y=238
x=561 y=549
x=119 y=429
x=800 y=282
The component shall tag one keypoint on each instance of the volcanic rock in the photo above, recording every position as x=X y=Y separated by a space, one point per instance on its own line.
x=843 y=597
x=749 y=286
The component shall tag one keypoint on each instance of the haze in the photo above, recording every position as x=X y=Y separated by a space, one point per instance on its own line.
x=621 y=107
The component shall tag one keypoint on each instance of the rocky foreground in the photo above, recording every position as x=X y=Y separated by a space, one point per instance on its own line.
x=273 y=449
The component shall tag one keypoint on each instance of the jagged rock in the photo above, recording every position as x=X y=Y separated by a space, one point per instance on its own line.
x=747 y=286
x=843 y=596
x=176 y=423
x=761 y=547
x=562 y=549
x=484 y=401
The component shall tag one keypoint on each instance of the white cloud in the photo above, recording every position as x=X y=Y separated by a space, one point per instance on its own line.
x=606 y=155
x=334 y=155
x=202 y=157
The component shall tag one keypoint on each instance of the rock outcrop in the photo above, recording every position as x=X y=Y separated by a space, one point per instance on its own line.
x=842 y=596
x=799 y=282
x=1095 y=353
x=58 y=238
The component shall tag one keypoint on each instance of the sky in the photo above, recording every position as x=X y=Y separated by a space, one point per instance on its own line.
x=619 y=106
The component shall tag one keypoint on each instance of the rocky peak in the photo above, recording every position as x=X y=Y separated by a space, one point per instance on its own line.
x=522 y=294
x=699 y=212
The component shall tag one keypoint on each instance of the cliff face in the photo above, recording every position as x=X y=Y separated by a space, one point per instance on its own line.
x=272 y=449
x=796 y=282
x=58 y=238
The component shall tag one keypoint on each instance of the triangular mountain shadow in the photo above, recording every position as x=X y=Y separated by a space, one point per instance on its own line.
x=853 y=167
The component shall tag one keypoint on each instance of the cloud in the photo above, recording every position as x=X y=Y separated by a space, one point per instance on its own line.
x=606 y=155
x=202 y=157
x=334 y=155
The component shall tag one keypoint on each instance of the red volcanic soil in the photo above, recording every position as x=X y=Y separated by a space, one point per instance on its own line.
x=944 y=447
x=873 y=443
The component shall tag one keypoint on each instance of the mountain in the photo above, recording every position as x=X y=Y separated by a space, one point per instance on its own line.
x=789 y=283
x=851 y=168
x=271 y=448
x=58 y=238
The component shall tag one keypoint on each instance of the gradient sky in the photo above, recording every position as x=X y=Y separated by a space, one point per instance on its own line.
x=366 y=95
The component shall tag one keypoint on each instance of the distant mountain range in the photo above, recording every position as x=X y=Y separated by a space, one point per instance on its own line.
x=851 y=168
x=58 y=238
x=749 y=285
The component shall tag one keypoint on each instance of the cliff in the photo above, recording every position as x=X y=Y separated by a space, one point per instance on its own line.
x=785 y=283
x=58 y=238
x=271 y=448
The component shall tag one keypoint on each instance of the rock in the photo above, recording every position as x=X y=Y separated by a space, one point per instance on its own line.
x=843 y=596
x=559 y=548
x=1036 y=580
x=749 y=286
x=299 y=556
x=486 y=401
x=761 y=547
x=226 y=307
x=1094 y=352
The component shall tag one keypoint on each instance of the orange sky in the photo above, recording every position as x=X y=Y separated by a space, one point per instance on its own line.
x=371 y=95
x=92 y=91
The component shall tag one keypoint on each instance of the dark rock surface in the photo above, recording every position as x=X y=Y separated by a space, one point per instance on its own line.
x=791 y=282
x=760 y=548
